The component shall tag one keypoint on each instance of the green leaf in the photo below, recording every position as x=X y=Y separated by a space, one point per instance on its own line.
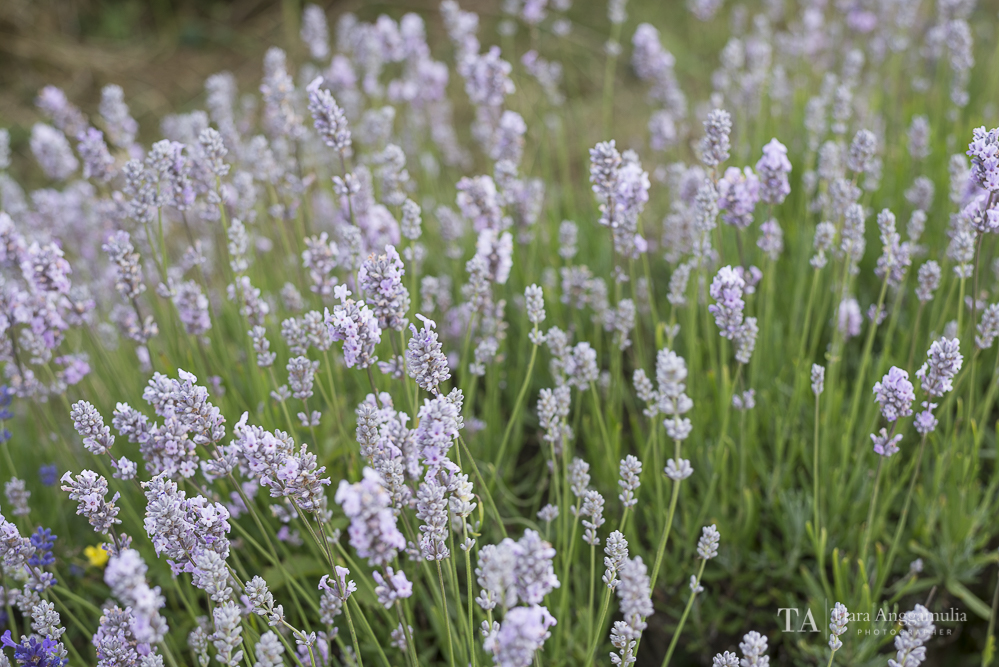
x=297 y=566
x=958 y=589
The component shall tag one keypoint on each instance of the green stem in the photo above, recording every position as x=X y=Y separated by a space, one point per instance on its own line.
x=901 y=520
x=447 y=616
x=870 y=511
x=815 y=470
x=669 y=524
x=516 y=408
x=686 y=612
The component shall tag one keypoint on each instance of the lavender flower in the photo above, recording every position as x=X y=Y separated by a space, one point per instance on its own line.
x=943 y=362
x=837 y=625
x=380 y=276
x=97 y=161
x=425 y=362
x=616 y=548
x=707 y=545
x=862 y=149
x=89 y=423
x=818 y=378
x=894 y=394
x=909 y=643
x=726 y=659
x=431 y=509
x=773 y=169
x=535 y=300
x=53 y=152
x=314 y=32
x=301 y=374
x=771 y=240
x=192 y=308
x=593 y=510
x=631 y=472
x=391 y=587
x=754 y=648
x=715 y=143
x=357 y=326
x=984 y=153
x=849 y=317
x=523 y=632
x=120 y=126
x=727 y=288
x=886 y=444
x=17 y=495
x=89 y=490
x=929 y=281
x=373 y=532
x=181 y=527
x=512 y=572
x=738 y=193
x=320 y=257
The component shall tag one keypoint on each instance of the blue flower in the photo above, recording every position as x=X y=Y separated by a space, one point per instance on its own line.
x=34 y=653
x=49 y=474
x=42 y=539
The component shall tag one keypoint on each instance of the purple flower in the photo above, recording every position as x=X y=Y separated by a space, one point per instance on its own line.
x=512 y=572
x=715 y=143
x=884 y=444
x=894 y=394
x=984 y=152
x=53 y=152
x=522 y=633
x=924 y=421
x=63 y=114
x=48 y=474
x=773 y=168
x=738 y=193
x=315 y=33
x=380 y=276
x=118 y=122
x=329 y=119
x=89 y=490
x=43 y=540
x=181 y=527
x=929 y=281
x=726 y=289
x=849 y=317
x=34 y=653
x=97 y=161
x=425 y=362
x=357 y=326
x=943 y=362
x=391 y=587
x=373 y=532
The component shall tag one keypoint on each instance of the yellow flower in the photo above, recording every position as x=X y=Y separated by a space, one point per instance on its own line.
x=96 y=555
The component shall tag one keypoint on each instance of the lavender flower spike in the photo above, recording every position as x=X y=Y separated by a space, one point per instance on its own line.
x=329 y=119
x=727 y=288
x=373 y=532
x=357 y=326
x=425 y=361
x=773 y=169
x=894 y=393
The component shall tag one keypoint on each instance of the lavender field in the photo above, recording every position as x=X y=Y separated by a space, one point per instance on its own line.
x=516 y=333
